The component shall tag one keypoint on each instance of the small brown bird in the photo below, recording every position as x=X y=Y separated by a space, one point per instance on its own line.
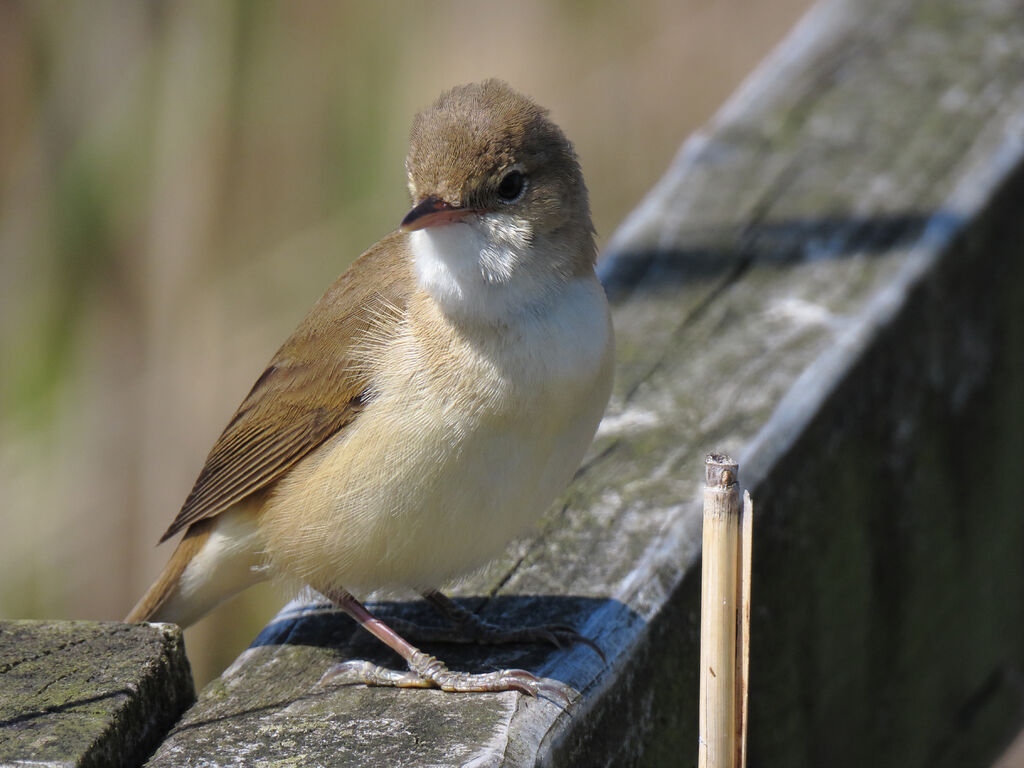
x=429 y=407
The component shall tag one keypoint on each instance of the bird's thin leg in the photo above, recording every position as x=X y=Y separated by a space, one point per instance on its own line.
x=424 y=671
x=470 y=628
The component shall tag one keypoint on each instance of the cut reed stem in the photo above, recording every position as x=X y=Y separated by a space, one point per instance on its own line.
x=725 y=617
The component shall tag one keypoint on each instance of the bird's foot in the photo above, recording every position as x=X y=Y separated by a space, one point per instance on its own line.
x=426 y=671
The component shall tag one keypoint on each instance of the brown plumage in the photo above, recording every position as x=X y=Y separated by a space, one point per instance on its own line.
x=431 y=404
x=167 y=583
x=315 y=384
x=483 y=122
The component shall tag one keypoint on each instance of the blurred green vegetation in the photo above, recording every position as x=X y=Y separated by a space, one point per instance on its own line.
x=179 y=181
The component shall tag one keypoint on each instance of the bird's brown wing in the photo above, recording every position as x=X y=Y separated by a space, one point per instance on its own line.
x=314 y=386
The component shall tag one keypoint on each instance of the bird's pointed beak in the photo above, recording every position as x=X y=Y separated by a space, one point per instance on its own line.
x=432 y=212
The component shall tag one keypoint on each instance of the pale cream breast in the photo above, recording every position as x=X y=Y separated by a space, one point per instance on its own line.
x=468 y=437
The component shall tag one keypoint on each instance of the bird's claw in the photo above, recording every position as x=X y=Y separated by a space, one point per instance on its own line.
x=428 y=672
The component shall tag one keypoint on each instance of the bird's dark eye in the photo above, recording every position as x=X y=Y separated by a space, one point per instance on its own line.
x=511 y=186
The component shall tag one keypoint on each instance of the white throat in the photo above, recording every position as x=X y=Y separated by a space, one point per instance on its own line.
x=484 y=267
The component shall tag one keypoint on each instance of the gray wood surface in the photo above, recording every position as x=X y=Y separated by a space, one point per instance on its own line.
x=827 y=284
x=84 y=693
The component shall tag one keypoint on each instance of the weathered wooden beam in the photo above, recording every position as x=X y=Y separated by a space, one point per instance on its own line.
x=89 y=694
x=854 y=212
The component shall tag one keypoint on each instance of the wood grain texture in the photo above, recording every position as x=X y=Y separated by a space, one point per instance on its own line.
x=854 y=213
x=86 y=693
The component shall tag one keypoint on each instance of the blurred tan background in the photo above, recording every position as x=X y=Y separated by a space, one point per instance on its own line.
x=179 y=182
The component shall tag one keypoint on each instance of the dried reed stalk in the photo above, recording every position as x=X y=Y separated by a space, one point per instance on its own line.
x=725 y=617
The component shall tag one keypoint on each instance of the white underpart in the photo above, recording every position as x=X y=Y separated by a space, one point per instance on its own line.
x=464 y=444
x=229 y=562
x=447 y=463
x=476 y=266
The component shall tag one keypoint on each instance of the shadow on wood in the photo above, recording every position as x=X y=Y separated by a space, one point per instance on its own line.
x=825 y=285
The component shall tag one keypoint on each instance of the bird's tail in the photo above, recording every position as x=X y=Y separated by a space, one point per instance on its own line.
x=167 y=587
x=215 y=560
